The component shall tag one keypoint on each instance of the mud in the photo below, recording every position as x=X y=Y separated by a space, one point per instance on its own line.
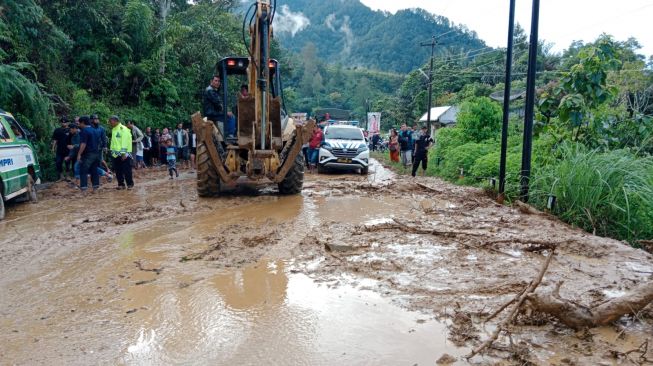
x=373 y=269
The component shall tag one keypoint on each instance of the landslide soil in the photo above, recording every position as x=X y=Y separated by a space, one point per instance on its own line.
x=84 y=279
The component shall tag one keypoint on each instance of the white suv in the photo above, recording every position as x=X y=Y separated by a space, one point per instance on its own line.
x=344 y=147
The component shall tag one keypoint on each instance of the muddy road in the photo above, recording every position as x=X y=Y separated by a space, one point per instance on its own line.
x=376 y=270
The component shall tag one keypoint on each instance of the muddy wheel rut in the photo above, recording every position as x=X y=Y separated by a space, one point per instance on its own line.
x=380 y=269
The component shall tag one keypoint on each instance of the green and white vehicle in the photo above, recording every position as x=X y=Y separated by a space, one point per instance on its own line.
x=19 y=167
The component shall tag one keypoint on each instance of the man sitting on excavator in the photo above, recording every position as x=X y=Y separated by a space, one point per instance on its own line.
x=212 y=102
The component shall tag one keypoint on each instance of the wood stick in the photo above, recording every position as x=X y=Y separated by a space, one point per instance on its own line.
x=531 y=288
x=499 y=310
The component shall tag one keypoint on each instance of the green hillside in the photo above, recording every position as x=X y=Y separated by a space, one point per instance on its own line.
x=352 y=34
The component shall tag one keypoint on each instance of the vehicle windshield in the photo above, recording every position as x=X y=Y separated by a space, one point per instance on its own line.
x=344 y=133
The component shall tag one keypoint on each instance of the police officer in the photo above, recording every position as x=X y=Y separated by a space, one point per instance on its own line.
x=121 y=153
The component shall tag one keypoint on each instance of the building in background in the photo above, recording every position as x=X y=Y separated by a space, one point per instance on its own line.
x=441 y=116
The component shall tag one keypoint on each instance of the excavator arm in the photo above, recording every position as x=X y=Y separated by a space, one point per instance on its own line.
x=263 y=148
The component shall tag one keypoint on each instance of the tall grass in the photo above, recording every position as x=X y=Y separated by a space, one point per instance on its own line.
x=607 y=193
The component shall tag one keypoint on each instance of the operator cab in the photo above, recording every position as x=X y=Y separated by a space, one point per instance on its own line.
x=233 y=74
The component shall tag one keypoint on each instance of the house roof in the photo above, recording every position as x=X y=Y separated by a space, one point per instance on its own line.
x=436 y=114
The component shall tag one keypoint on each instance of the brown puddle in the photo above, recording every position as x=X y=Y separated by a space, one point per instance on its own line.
x=264 y=314
x=131 y=300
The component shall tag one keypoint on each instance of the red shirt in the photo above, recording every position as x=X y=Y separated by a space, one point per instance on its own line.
x=316 y=139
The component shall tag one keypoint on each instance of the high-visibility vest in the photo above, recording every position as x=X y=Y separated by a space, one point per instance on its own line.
x=121 y=140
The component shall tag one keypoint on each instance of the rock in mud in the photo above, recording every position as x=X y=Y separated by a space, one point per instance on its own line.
x=446 y=359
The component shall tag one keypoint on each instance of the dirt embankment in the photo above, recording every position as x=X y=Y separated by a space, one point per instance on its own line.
x=117 y=260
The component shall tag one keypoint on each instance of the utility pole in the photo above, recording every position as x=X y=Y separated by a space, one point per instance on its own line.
x=431 y=44
x=367 y=111
x=530 y=104
x=506 y=104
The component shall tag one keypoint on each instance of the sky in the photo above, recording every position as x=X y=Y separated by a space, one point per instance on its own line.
x=561 y=21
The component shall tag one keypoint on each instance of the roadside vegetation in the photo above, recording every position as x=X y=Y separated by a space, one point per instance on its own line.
x=592 y=145
x=149 y=61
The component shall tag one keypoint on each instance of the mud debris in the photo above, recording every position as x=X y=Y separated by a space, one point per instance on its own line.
x=446 y=252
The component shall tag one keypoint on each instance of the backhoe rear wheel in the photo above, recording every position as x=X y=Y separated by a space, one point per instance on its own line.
x=208 y=180
x=293 y=182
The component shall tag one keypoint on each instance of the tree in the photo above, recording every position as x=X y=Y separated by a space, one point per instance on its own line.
x=480 y=119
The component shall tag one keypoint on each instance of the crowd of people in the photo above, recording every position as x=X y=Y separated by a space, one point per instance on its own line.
x=410 y=146
x=82 y=147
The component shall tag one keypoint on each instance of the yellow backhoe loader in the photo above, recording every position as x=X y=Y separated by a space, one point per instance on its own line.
x=267 y=144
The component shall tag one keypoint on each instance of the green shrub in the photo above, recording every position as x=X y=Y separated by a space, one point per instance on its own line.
x=446 y=139
x=488 y=167
x=608 y=193
x=480 y=119
x=463 y=156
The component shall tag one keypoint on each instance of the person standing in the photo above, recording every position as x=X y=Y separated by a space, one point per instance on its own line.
x=393 y=145
x=156 y=135
x=73 y=147
x=89 y=154
x=137 y=142
x=104 y=141
x=181 y=142
x=60 y=146
x=147 y=147
x=171 y=156
x=375 y=140
x=193 y=150
x=405 y=142
x=421 y=152
x=162 y=145
x=121 y=153
x=314 y=147
x=212 y=102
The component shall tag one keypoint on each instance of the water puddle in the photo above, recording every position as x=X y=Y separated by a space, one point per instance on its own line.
x=263 y=314
x=359 y=210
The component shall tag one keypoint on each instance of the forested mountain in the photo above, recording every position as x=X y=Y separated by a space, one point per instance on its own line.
x=352 y=34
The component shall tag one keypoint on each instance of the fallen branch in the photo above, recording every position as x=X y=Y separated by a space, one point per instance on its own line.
x=540 y=243
x=415 y=230
x=527 y=209
x=499 y=310
x=530 y=289
x=578 y=316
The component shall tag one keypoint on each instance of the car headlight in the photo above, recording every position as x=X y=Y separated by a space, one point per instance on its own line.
x=362 y=148
x=327 y=147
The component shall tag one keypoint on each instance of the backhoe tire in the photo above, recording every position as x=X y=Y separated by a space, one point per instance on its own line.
x=293 y=182
x=208 y=180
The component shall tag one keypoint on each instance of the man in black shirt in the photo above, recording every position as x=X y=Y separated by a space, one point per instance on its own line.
x=212 y=102
x=60 y=146
x=422 y=145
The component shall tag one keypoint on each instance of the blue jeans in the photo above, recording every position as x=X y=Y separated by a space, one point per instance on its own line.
x=230 y=127
x=313 y=155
